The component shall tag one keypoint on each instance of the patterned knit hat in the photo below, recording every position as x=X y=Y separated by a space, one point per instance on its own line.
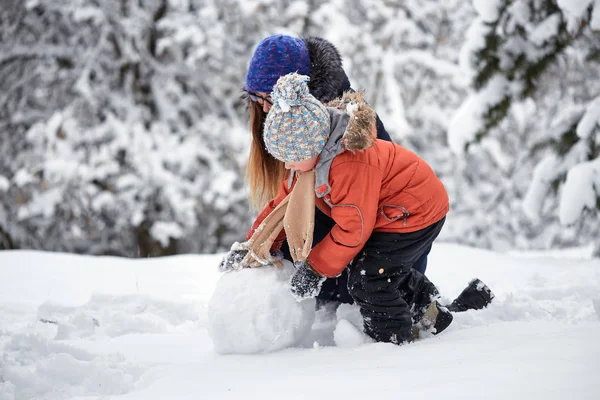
x=297 y=125
x=274 y=57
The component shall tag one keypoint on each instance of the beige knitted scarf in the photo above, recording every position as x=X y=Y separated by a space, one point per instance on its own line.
x=295 y=214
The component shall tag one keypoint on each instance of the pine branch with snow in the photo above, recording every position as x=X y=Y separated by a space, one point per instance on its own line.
x=521 y=51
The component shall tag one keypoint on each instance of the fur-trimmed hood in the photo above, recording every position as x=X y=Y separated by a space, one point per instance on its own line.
x=360 y=131
x=327 y=77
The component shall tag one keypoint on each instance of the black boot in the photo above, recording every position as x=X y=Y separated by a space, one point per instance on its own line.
x=475 y=297
x=443 y=320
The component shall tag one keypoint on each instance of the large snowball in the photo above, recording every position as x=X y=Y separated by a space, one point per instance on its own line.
x=253 y=311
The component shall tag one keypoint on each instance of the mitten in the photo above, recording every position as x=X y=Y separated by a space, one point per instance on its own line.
x=306 y=282
x=233 y=260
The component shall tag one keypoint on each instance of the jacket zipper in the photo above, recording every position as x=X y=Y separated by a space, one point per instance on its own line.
x=405 y=214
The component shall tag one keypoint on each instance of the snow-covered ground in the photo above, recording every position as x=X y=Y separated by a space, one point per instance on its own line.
x=76 y=327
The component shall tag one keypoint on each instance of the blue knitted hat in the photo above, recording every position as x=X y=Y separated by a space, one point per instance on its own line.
x=274 y=57
x=297 y=125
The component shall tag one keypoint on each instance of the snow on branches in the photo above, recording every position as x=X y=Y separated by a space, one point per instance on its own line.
x=524 y=50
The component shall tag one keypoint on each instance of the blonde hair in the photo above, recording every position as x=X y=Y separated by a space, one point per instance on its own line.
x=264 y=173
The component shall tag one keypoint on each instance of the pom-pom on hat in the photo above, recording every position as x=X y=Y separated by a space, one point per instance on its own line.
x=274 y=57
x=297 y=126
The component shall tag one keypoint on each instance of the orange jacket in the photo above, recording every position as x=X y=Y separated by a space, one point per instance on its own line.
x=385 y=188
x=381 y=187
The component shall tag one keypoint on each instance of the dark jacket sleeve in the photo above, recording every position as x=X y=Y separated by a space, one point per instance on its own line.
x=381 y=132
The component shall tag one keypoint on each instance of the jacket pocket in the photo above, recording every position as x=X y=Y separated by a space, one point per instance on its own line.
x=350 y=224
x=392 y=213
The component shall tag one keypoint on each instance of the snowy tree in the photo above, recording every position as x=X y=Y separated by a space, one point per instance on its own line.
x=115 y=132
x=533 y=115
x=403 y=55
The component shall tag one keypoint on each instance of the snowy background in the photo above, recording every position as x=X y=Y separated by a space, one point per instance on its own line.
x=123 y=133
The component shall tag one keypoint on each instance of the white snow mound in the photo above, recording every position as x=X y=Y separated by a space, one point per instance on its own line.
x=253 y=311
x=347 y=335
x=349 y=329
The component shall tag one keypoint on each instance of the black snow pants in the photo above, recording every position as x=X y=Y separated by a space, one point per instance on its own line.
x=390 y=293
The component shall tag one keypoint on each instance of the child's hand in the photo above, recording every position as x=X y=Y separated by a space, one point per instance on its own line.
x=305 y=283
